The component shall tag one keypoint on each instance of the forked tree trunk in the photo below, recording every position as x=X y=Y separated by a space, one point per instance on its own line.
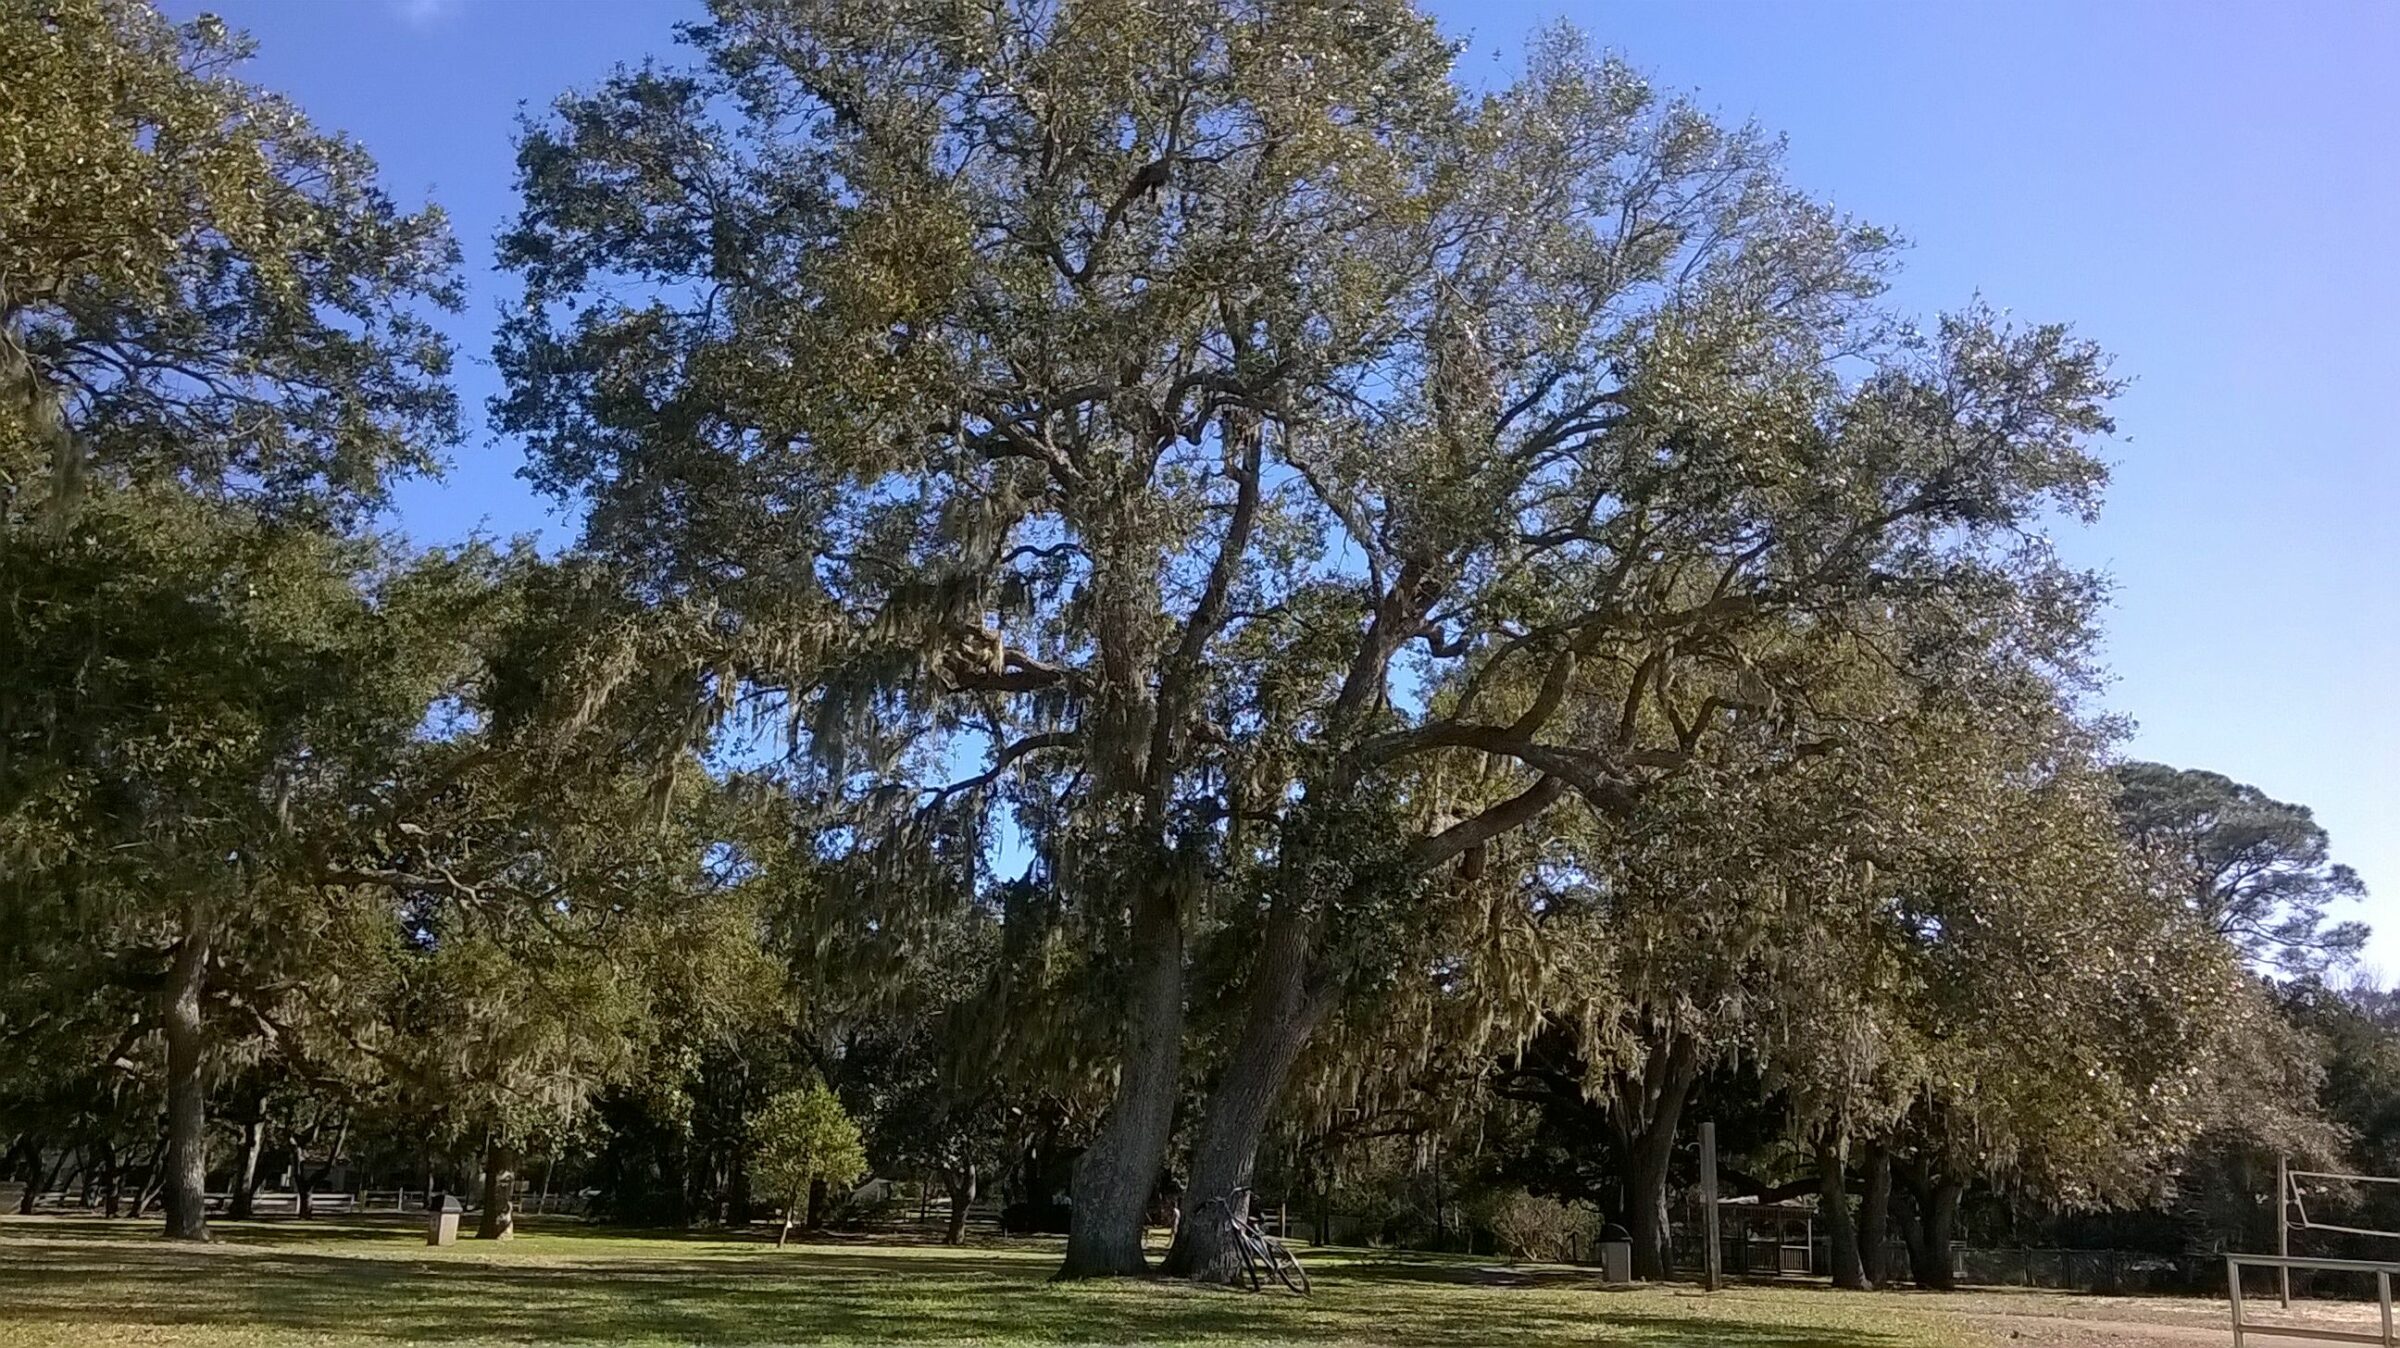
x=186 y=1159
x=1282 y=1016
x=499 y=1193
x=1833 y=1206
x=961 y=1183
x=1115 y=1178
x=1645 y=1116
x=1875 y=1213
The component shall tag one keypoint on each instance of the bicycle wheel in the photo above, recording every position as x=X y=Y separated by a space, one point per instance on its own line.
x=1286 y=1267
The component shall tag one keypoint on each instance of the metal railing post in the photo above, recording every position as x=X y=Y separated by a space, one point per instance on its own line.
x=2283 y=1227
x=2383 y=1299
x=2233 y=1287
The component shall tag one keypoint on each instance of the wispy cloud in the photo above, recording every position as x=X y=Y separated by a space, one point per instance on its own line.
x=425 y=13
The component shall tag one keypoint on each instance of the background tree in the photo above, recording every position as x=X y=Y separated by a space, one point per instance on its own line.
x=803 y=1136
x=2255 y=868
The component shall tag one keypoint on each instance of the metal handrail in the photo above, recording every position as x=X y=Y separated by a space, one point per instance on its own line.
x=2234 y=1263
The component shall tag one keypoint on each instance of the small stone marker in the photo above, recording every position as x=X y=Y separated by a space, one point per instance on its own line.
x=441 y=1220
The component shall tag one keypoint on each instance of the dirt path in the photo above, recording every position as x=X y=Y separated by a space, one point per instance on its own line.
x=2034 y=1319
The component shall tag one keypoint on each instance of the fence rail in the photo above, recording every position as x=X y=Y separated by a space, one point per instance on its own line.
x=2244 y=1330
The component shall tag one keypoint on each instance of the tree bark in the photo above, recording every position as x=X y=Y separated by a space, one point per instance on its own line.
x=242 y=1201
x=304 y=1183
x=1875 y=1213
x=1115 y=1178
x=37 y=1181
x=1941 y=1222
x=819 y=1196
x=152 y=1188
x=1646 y=1114
x=791 y=1206
x=1929 y=1228
x=961 y=1183
x=186 y=1160
x=1833 y=1207
x=499 y=1192
x=1282 y=1015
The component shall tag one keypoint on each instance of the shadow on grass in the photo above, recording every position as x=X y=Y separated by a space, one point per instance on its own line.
x=365 y=1288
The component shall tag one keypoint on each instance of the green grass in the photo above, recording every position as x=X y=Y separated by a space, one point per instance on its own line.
x=354 y=1284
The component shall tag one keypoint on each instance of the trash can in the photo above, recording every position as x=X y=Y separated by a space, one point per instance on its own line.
x=441 y=1220
x=1616 y=1255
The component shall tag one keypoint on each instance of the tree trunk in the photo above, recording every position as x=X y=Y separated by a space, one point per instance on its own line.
x=791 y=1205
x=241 y=1201
x=1281 y=1018
x=1935 y=1200
x=1940 y=1222
x=499 y=1193
x=1115 y=1178
x=1875 y=1214
x=37 y=1182
x=153 y=1185
x=1645 y=1116
x=187 y=1093
x=818 y=1198
x=743 y=1209
x=112 y=1186
x=961 y=1183
x=1833 y=1207
x=304 y=1184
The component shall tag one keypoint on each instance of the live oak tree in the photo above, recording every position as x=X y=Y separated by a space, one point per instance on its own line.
x=197 y=705
x=1156 y=403
x=198 y=286
x=212 y=353
x=535 y=912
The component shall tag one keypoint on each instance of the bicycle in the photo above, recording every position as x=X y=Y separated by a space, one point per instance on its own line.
x=1258 y=1249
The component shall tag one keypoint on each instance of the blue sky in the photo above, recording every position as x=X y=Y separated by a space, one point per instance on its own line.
x=2212 y=191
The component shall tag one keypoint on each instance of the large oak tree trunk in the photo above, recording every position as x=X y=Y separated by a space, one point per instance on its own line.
x=1875 y=1213
x=1647 y=1110
x=1282 y=1016
x=1833 y=1208
x=1114 y=1179
x=499 y=1193
x=186 y=1158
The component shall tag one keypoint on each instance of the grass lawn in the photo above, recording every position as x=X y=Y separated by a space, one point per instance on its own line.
x=69 y=1281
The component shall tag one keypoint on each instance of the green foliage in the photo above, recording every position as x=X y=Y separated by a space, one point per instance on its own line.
x=802 y=1136
x=2256 y=869
x=196 y=285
